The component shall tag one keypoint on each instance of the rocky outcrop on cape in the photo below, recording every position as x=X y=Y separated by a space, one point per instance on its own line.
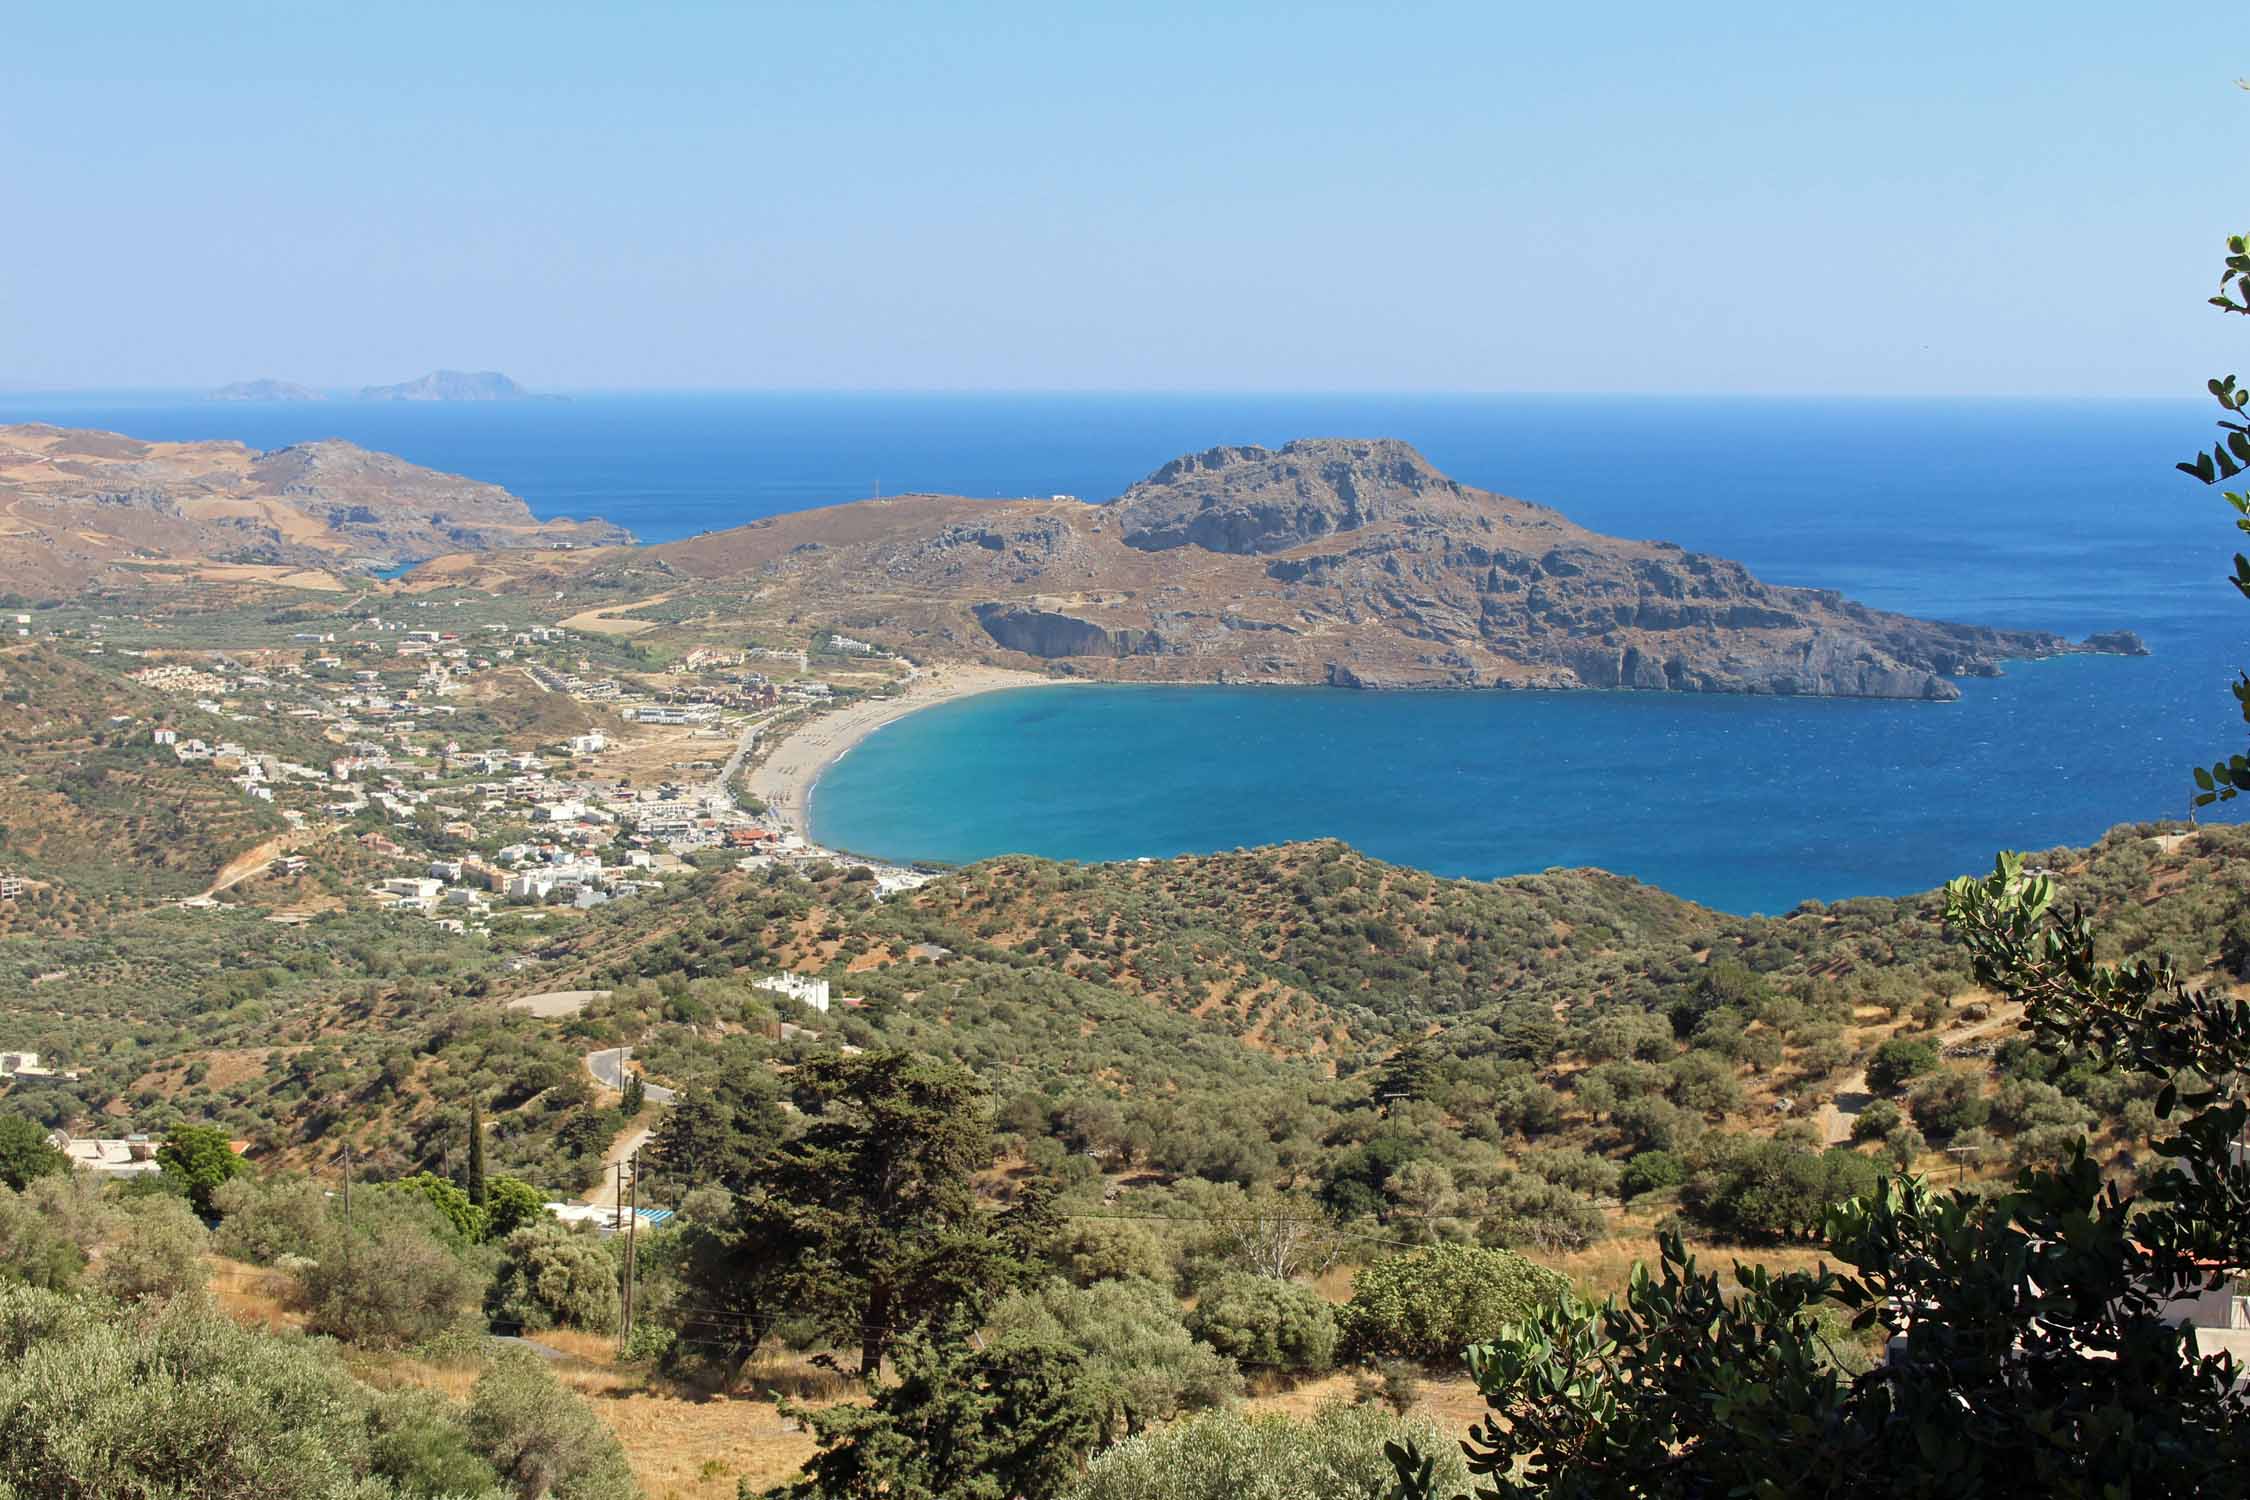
x=1343 y=561
x=79 y=507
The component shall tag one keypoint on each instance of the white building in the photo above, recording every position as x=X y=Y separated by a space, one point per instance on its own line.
x=126 y=1158
x=813 y=992
x=530 y=885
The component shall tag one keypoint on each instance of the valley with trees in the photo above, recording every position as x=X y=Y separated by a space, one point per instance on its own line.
x=431 y=1068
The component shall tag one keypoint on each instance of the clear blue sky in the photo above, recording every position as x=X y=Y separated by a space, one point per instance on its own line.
x=1993 y=197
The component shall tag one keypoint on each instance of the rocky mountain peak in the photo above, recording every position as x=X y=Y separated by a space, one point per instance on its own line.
x=1247 y=499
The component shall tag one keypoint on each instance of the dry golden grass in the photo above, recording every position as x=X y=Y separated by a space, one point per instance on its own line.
x=1606 y=1268
x=255 y=1295
x=591 y=1348
x=1452 y=1401
x=683 y=1444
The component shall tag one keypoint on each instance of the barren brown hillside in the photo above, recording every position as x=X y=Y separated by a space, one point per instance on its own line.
x=1325 y=561
x=79 y=507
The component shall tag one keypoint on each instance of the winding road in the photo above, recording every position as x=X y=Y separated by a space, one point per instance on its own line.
x=608 y=1068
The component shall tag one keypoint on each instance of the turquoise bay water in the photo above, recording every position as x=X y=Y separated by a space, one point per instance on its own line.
x=2061 y=515
x=1742 y=803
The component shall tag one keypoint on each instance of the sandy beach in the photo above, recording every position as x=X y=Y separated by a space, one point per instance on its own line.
x=785 y=780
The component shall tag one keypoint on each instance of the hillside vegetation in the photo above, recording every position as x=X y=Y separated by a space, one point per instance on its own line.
x=89 y=801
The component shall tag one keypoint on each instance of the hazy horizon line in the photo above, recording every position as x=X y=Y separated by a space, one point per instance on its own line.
x=348 y=395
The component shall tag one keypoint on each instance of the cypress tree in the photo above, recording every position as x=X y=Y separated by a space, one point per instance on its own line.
x=476 y=1153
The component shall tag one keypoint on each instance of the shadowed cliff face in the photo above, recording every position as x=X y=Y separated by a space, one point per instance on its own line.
x=1342 y=561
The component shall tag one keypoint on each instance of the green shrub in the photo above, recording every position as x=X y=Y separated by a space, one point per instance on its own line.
x=1897 y=1061
x=386 y=1284
x=1877 y=1120
x=25 y=1154
x=416 y=1441
x=549 y=1275
x=1769 y=1189
x=1650 y=1172
x=1091 y=1250
x=545 y=1443
x=1140 y=1363
x=1580 y=1171
x=158 y=1256
x=196 y=1159
x=263 y=1220
x=1231 y=1455
x=1949 y=1103
x=1529 y=1212
x=463 y=1221
x=1265 y=1321
x=47 y=1231
x=510 y=1203
x=181 y=1404
x=1432 y=1304
x=1705 y=1082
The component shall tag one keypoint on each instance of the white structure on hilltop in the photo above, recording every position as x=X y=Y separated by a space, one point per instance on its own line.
x=134 y=1156
x=813 y=992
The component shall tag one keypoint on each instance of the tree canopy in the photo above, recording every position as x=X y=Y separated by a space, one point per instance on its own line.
x=869 y=1220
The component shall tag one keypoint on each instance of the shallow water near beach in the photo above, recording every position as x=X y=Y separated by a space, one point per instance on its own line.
x=2060 y=515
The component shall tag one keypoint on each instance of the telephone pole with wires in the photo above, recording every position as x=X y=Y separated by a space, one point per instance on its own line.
x=347 y=1205
x=632 y=1225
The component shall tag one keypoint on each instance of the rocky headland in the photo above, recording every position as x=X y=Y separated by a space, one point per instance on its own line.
x=79 y=507
x=1342 y=561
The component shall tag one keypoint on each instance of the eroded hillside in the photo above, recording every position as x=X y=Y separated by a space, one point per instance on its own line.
x=1325 y=561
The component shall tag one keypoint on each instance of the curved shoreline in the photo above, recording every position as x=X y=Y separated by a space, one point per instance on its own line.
x=785 y=779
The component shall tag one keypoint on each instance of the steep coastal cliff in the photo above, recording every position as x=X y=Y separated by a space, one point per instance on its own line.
x=1350 y=562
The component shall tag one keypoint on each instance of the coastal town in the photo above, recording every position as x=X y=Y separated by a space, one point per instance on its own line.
x=477 y=768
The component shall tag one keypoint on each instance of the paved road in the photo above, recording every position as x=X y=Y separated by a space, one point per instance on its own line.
x=608 y=1068
x=720 y=784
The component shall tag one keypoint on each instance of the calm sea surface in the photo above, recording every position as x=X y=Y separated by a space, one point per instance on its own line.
x=2060 y=515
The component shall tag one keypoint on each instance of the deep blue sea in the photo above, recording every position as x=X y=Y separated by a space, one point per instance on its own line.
x=2052 y=514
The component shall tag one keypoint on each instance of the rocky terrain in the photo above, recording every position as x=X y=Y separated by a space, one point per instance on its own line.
x=450 y=385
x=1326 y=561
x=80 y=507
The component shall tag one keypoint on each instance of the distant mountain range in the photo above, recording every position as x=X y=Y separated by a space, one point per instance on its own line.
x=438 y=385
x=450 y=385
x=267 y=390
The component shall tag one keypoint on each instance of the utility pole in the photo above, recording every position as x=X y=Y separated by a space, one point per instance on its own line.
x=347 y=1205
x=632 y=1224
